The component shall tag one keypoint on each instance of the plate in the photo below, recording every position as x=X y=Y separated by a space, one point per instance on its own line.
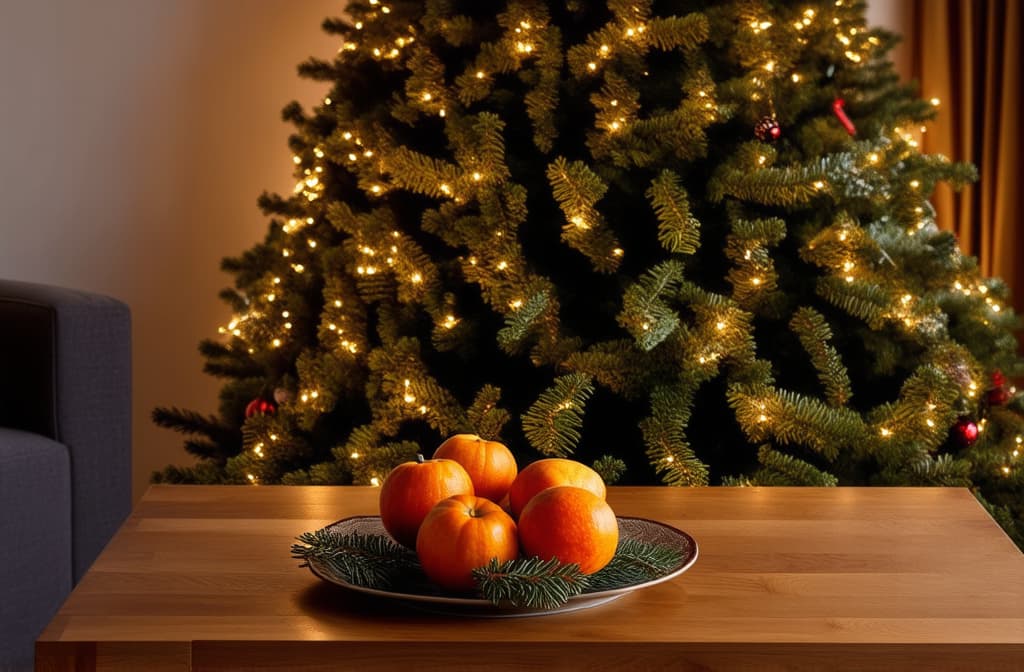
x=640 y=529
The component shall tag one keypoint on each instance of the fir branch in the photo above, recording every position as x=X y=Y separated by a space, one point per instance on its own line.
x=644 y=312
x=678 y=229
x=609 y=468
x=814 y=334
x=635 y=562
x=530 y=582
x=520 y=321
x=782 y=469
x=368 y=560
x=685 y=32
x=484 y=415
x=553 y=422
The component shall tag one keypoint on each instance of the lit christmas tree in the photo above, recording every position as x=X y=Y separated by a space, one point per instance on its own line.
x=688 y=242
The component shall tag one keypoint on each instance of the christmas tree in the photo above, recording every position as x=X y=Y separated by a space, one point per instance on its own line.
x=687 y=242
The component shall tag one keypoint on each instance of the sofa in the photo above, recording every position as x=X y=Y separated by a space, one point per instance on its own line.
x=65 y=449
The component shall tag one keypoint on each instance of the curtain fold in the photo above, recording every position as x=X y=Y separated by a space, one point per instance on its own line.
x=967 y=53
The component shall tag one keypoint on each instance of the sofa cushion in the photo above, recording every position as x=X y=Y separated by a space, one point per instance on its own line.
x=35 y=553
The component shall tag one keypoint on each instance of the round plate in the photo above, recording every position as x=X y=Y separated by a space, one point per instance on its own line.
x=641 y=529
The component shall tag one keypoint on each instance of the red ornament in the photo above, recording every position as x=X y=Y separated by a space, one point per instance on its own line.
x=768 y=129
x=260 y=406
x=837 y=108
x=998 y=379
x=965 y=432
x=997 y=395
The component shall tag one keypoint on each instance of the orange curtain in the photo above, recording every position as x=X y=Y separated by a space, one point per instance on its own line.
x=967 y=53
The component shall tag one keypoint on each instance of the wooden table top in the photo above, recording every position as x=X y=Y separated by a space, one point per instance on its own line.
x=200 y=577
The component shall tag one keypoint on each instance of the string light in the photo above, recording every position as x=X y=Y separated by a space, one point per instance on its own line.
x=408 y=396
x=375 y=482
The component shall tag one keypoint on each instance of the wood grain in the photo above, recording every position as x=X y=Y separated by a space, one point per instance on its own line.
x=200 y=578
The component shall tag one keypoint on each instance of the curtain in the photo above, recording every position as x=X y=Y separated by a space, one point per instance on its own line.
x=967 y=54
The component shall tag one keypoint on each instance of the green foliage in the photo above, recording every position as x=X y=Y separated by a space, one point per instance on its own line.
x=565 y=209
x=553 y=422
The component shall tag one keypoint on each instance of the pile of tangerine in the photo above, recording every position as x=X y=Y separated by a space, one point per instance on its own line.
x=470 y=504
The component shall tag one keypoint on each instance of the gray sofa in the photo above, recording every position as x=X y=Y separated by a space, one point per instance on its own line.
x=65 y=449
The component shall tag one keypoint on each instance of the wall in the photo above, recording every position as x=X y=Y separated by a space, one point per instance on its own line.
x=136 y=137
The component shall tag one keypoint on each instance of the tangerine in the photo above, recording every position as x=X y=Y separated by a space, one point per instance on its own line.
x=490 y=464
x=571 y=524
x=548 y=473
x=460 y=534
x=412 y=489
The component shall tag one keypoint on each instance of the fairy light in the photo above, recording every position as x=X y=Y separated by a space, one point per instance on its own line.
x=276 y=342
x=352 y=157
x=592 y=66
x=408 y=396
x=885 y=432
x=604 y=50
x=819 y=185
x=477 y=177
x=354 y=455
x=480 y=74
x=427 y=96
x=450 y=321
x=914 y=184
x=515 y=304
x=761 y=159
x=445 y=189
x=296 y=159
x=258 y=449
x=873 y=157
x=376 y=188
x=271 y=297
x=617 y=252
x=502 y=265
x=337 y=303
x=756 y=281
x=252 y=479
x=416 y=278
x=375 y=482
x=935 y=102
x=720 y=326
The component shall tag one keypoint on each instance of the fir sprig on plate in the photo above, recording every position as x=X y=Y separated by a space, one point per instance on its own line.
x=375 y=561
x=367 y=560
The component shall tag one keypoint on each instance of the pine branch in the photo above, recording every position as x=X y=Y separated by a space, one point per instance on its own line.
x=644 y=312
x=519 y=322
x=485 y=416
x=529 y=582
x=609 y=468
x=368 y=560
x=553 y=422
x=678 y=229
x=635 y=561
x=814 y=334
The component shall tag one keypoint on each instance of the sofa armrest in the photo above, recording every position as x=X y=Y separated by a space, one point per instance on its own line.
x=65 y=359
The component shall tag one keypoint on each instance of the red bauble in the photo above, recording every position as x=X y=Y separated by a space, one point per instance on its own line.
x=965 y=432
x=768 y=129
x=997 y=396
x=260 y=406
x=998 y=379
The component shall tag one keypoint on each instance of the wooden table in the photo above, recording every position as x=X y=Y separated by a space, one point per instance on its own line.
x=200 y=578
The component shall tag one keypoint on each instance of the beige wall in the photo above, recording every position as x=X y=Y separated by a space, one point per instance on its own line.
x=136 y=136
